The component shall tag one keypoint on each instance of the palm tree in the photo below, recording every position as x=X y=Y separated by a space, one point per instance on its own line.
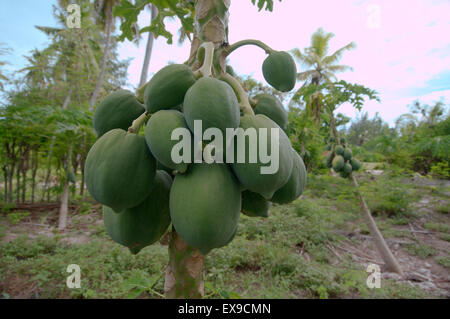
x=3 y=51
x=322 y=67
x=104 y=9
x=149 y=48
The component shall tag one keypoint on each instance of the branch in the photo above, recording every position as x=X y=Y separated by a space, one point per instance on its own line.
x=240 y=92
x=239 y=44
x=137 y=123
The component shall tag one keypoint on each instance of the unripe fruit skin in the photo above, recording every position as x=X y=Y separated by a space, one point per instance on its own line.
x=348 y=154
x=339 y=150
x=338 y=163
x=271 y=107
x=140 y=226
x=254 y=205
x=205 y=205
x=167 y=88
x=158 y=137
x=280 y=71
x=295 y=185
x=249 y=174
x=120 y=170
x=214 y=103
x=117 y=110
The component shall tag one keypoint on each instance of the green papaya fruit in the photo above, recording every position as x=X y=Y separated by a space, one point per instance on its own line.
x=120 y=170
x=295 y=185
x=214 y=103
x=205 y=204
x=230 y=70
x=342 y=140
x=271 y=107
x=356 y=164
x=332 y=139
x=250 y=174
x=118 y=110
x=162 y=167
x=348 y=154
x=167 y=88
x=338 y=163
x=280 y=71
x=328 y=148
x=347 y=168
x=254 y=205
x=140 y=226
x=339 y=150
x=158 y=134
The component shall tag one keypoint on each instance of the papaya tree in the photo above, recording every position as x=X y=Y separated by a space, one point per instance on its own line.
x=340 y=157
x=179 y=173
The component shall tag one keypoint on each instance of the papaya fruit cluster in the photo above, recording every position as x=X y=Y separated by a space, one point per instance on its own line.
x=143 y=190
x=340 y=158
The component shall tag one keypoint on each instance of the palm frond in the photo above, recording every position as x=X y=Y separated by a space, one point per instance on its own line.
x=336 y=56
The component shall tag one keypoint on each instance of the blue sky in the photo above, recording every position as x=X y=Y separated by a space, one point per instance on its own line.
x=403 y=46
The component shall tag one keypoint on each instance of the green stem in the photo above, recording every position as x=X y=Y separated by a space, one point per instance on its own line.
x=258 y=43
x=240 y=92
x=206 y=69
x=137 y=123
x=140 y=93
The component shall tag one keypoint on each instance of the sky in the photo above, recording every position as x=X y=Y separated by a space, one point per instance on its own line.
x=403 y=46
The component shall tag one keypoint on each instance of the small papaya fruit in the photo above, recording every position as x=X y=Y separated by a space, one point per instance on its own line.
x=356 y=164
x=118 y=110
x=338 y=163
x=271 y=107
x=339 y=150
x=143 y=225
x=120 y=170
x=167 y=88
x=205 y=204
x=347 y=168
x=295 y=185
x=280 y=71
x=158 y=134
x=329 y=160
x=250 y=172
x=348 y=154
x=214 y=103
x=254 y=205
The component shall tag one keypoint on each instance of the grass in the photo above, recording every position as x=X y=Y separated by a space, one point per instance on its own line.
x=284 y=256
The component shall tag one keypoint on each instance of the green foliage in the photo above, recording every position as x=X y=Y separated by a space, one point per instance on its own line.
x=183 y=10
x=420 y=249
x=444 y=261
x=17 y=216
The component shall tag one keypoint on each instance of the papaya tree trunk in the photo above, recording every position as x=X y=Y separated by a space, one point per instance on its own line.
x=380 y=243
x=148 y=49
x=184 y=273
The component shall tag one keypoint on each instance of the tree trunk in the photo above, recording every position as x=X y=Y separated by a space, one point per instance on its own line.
x=148 y=49
x=64 y=207
x=184 y=273
x=5 y=176
x=109 y=22
x=380 y=243
x=34 y=168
